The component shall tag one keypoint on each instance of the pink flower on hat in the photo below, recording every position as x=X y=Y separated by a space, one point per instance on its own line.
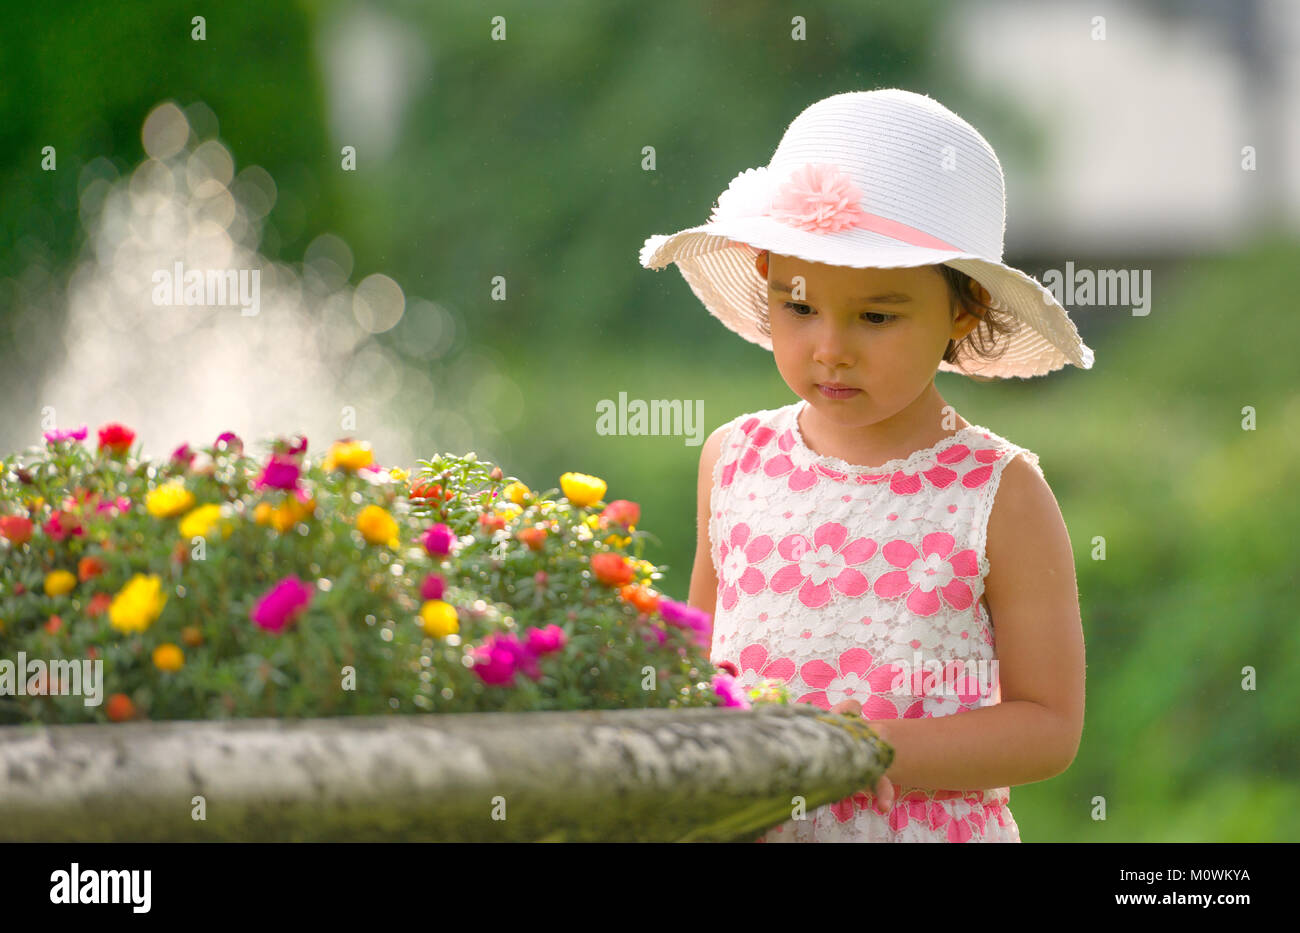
x=819 y=198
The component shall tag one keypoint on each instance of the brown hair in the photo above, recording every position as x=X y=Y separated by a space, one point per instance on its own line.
x=980 y=344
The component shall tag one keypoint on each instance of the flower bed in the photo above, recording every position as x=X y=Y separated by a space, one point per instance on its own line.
x=223 y=585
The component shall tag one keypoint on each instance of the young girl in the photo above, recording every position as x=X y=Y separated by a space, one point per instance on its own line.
x=853 y=544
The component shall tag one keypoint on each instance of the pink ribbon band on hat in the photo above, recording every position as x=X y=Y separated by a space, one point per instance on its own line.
x=818 y=198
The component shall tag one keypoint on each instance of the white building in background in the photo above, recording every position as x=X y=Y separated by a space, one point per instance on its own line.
x=1143 y=130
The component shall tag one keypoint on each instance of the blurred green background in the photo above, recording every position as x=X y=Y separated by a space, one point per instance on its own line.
x=523 y=159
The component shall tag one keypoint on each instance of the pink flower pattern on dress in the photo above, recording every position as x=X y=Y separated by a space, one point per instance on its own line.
x=859 y=678
x=800 y=478
x=819 y=198
x=739 y=555
x=924 y=579
x=754 y=658
x=822 y=563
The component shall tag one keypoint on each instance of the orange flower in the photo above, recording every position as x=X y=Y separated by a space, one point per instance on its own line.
x=611 y=569
x=491 y=522
x=644 y=599
x=53 y=625
x=534 y=537
x=89 y=568
x=119 y=707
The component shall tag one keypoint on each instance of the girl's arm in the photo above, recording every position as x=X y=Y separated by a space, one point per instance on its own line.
x=704 y=580
x=1034 y=733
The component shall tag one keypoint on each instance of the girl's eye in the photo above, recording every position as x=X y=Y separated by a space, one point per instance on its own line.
x=869 y=314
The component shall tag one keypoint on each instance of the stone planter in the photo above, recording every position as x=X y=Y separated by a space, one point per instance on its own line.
x=649 y=775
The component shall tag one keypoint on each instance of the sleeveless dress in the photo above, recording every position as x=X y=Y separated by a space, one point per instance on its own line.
x=845 y=581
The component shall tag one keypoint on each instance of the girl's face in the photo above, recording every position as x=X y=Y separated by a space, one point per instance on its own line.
x=880 y=331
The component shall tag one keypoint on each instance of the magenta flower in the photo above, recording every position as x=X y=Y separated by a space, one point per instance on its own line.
x=545 y=640
x=281 y=605
x=819 y=198
x=231 y=441
x=697 y=621
x=53 y=437
x=438 y=540
x=725 y=686
x=280 y=472
x=183 y=454
x=56 y=529
x=432 y=587
x=500 y=657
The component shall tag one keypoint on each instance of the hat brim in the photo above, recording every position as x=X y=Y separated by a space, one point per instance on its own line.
x=717 y=261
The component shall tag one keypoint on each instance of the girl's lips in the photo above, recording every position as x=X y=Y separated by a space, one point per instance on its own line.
x=837 y=393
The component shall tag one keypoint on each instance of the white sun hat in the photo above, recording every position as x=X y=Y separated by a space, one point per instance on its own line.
x=873 y=179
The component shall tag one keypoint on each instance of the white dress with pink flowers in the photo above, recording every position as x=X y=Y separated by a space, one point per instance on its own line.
x=847 y=582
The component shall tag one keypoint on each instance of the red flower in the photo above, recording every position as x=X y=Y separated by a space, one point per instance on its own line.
x=116 y=437
x=16 y=528
x=611 y=569
x=98 y=604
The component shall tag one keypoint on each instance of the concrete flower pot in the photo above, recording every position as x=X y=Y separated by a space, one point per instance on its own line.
x=649 y=775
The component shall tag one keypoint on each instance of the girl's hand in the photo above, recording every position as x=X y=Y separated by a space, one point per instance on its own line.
x=884 y=789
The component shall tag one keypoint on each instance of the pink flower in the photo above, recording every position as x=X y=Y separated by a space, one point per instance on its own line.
x=819 y=198
x=546 y=640
x=183 y=454
x=924 y=579
x=280 y=472
x=53 y=437
x=56 y=529
x=697 y=621
x=281 y=605
x=231 y=441
x=121 y=504
x=725 y=686
x=438 y=540
x=432 y=587
x=739 y=555
x=822 y=563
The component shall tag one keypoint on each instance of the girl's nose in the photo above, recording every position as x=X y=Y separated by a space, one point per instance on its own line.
x=831 y=349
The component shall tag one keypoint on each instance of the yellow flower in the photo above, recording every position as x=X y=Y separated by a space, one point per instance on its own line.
x=59 y=582
x=617 y=540
x=169 y=500
x=581 y=489
x=34 y=505
x=517 y=493
x=138 y=603
x=592 y=521
x=377 y=526
x=198 y=523
x=349 y=455
x=399 y=474
x=509 y=509
x=262 y=514
x=168 y=657
x=439 y=618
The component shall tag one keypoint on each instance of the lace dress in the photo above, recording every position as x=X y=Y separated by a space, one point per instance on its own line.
x=865 y=583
